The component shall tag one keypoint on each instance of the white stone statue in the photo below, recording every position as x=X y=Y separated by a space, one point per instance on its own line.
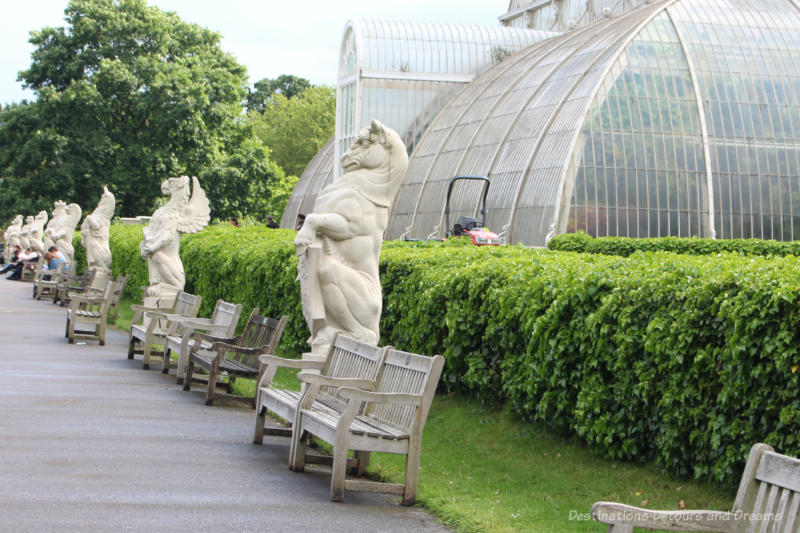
x=339 y=245
x=64 y=230
x=11 y=237
x=59 y=210
x=162 y=237
x=25 y=233
x=37 y=232
x=94 y=234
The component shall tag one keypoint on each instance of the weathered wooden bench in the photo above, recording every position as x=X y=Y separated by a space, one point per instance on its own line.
x=30 y=268
x=45 y=281
x=179 y=338
x=233 y=358
x=89 y=309
x=150 y=324
x=768 y=500
x=349 y=363
x=70 y=284
x=389 y=418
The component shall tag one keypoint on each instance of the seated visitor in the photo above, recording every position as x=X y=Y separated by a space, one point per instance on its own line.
x=271 y=222
x=30 y=256
x=53 y=258
x=14 y=260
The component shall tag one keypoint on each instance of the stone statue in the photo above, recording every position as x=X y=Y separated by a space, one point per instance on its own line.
x=339 y=245
x=59 y=209
x=65 y=228
x=162 y=237
x=11 y=237
x=37 y=232
x=25 y=233
x=94 y=234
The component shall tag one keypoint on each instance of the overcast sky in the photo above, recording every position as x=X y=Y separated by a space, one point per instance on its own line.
x=269 y=37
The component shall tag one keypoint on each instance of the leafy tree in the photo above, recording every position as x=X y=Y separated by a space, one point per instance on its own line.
x=265 y=90
x=128 y=95
x=296 y=128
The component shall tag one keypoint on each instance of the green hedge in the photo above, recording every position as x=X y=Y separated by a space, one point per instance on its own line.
x=625 y=246
x=685 y=360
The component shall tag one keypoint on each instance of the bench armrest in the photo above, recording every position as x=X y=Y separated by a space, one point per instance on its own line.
x=362 y=395
x=269 y=359
x=620 y=514
x=194 y=323
x=326 y=381
x=197 y=336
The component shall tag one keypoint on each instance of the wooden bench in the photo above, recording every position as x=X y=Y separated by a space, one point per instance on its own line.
x=179 y=338
x=349 y=363
x=233 y=358
x=70 y=284
x=91 y=309
x=151 y=323
x=768 y=500
x=389 y=418
x=45 y=281
x=30 y=268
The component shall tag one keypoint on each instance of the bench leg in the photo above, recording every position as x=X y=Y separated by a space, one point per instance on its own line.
x=187 y=378
x=339 y=468
x=412 y=475
x=148 y=347
x=212 y=384
x=165 y=360
x=258 y=433
x=131 y=347
x=297 y=452
x=362 y=462
x=102 y=331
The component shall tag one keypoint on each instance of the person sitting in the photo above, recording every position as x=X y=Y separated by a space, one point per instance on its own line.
x=301 y=219
x=14 y=259
x=271 y=222
x=53 y=258
x=29 y=257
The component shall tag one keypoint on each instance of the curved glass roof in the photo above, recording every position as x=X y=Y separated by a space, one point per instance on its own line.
x=565 y=15
x=678 y=118
x=403 y=73
x=316 y=175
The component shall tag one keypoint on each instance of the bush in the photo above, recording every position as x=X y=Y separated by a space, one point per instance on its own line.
x=685 y=360
x=625 y=246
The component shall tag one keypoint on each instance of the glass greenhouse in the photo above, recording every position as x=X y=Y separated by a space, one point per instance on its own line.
x=401 y=73
x=680 y=118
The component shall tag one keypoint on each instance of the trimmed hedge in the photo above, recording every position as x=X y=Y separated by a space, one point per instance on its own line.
x=685 y=360
x=625 y=246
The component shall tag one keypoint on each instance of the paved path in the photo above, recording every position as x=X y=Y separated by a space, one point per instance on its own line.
x=90 y=442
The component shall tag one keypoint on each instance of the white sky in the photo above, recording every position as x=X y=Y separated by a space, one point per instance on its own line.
x=269 y=37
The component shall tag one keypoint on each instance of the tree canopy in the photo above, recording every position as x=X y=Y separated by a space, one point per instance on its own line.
x=295 y=129
x=264 y=91
x=127 y=96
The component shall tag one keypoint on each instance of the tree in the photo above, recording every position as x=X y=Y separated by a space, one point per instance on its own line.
x=265 y=90
x=128 y=95
x=295 y=129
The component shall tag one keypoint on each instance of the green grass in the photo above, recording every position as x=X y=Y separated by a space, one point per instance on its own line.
x=486 y=471
x=483 y=470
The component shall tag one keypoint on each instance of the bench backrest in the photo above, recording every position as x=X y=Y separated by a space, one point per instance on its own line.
x=349 y=358
x=769 y=493
x=187 y=304
x=261 y=332
x=408 y=373
x=225 y=316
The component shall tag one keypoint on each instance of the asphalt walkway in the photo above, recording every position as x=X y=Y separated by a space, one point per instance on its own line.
x=91 y=442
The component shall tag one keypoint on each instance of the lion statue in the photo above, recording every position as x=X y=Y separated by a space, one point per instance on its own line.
x=340 y=241
x=162 y=238
x=94 y=234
